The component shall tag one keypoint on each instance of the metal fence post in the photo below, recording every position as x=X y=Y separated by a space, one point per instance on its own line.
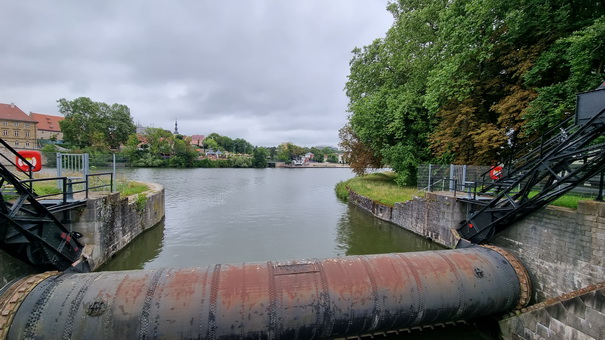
x=59 y=165
x=451 y=177
x=430 y=173
x=85 y=165
x=113 y=188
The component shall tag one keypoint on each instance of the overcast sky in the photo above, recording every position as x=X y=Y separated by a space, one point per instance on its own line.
x=268 y=71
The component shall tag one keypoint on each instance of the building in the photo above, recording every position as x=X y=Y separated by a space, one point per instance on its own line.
x=48 y=128
x=17 y=128
x=197 y=140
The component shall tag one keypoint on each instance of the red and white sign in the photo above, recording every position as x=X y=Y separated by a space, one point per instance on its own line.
x=495 y=172
x=33 y=157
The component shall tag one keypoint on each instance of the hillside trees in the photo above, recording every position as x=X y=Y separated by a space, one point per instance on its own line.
x=95 y=124
x=159 y=147
x=470 y=81
x=224 y=143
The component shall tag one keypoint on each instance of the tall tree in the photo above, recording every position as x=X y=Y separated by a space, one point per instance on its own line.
x=469 y=81
x=259 y=156
x=359 y=156
x=386 y=85
x=89 y=124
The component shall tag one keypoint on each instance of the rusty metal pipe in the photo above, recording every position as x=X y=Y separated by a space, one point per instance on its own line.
x=304 y=299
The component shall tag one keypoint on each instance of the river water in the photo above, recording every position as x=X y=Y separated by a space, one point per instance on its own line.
x=251 y=215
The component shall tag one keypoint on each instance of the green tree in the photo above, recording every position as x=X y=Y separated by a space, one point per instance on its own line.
x=241 y=145
x=259 y=157
x=95 y=124
x=210 y=143
x=470 y=81
x=288 y=151
x=386 y=85
x=332 y=158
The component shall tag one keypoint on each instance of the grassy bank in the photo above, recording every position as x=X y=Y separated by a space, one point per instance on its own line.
x=381 y=187
x=123 y=186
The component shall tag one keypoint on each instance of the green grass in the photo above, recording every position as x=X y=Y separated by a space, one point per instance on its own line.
x=380 y=187
x=128 y=188
x=570 y=200
x=123 y=186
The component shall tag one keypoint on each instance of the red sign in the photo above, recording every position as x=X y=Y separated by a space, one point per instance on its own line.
x=495 y=172
x=33 y=157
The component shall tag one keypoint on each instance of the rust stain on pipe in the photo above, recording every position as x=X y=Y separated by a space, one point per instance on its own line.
x=300 y=299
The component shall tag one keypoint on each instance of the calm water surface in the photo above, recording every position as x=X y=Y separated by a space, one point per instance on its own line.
x=250 y=215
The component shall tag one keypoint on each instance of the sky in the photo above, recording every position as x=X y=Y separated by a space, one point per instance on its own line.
x=268 y=71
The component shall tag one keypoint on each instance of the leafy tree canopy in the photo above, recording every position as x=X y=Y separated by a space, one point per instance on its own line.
x=469 y=81
x=95 y=124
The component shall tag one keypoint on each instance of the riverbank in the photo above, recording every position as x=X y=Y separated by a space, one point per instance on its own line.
x=380 y=187
x=561 y=248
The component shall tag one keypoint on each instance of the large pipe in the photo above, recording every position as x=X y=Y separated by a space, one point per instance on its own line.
x=306 y=299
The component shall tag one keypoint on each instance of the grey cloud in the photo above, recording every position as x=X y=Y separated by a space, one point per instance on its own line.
x=265 y=70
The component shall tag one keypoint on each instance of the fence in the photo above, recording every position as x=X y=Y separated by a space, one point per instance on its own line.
x=76 y=169
x=465 y=178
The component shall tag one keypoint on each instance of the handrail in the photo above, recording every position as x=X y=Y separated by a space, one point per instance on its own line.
x=67 y=184
x=110 y=185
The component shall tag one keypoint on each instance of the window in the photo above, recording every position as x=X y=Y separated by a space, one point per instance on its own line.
x=26 y=143
x=16 y=133
x=26 y=124
x=27 y=133
x=5 y=132
x=16 y=143
x=4 y=123
x=16 y=123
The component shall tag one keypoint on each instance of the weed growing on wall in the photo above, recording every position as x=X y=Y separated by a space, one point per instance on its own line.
x=141 y=202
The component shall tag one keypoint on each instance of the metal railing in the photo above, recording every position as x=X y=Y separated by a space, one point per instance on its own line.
x=69 y=186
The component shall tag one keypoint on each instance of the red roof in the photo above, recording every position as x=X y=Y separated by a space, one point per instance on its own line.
x=12 y=112
x=47 y=122
x=196 y=138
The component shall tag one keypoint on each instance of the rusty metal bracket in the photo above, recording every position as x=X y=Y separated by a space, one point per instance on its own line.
x=522 y=274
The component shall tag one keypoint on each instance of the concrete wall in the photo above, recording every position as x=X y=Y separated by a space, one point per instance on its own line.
x=563 y=250
x=431 y=216
x=111 y=222
x=579 y=315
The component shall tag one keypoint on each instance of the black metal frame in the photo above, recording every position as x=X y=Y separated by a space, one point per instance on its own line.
x=28 y=228
x=545 y=167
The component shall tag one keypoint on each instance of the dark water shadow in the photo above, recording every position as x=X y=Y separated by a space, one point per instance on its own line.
x=360 y=233
x=145 y=248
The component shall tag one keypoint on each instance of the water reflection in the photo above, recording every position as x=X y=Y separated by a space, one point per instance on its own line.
x=248 y=215
x=146 y=248
x=359 y=233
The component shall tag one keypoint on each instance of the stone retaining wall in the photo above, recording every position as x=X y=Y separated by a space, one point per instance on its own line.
x=431 y=216
x=563 y=250
x=111 y=222
x=579 y=315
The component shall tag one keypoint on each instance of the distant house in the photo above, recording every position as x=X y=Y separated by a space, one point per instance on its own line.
x=214 y=154
x=48 y=128
x=197 y=140
x=16 y=127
